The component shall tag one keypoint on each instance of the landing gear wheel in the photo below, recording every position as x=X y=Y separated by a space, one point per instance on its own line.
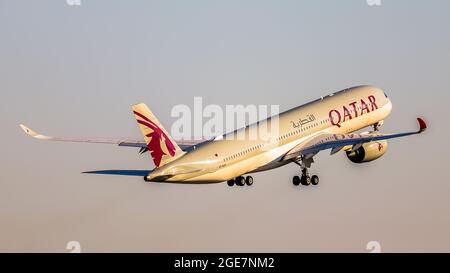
x=296 y=180
x=230 y=182
x=305 y=180
x=240 y=181
x=249 y=180
x=305 y=163
x=314 y=180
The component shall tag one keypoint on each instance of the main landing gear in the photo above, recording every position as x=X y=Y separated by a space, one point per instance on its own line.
x=305 y=179
x=241 y=181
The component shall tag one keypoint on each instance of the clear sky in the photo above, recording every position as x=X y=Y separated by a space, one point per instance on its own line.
x=75 y=70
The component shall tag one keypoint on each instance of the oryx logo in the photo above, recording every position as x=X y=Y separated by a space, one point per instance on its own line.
x=159 y=143
x=380 y=146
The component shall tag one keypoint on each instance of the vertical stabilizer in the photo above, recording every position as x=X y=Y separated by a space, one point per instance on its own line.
x=163 y=149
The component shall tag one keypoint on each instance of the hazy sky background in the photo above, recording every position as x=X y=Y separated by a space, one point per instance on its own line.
x=75 y=70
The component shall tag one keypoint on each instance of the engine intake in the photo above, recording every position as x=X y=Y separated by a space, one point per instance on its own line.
x=368 y=152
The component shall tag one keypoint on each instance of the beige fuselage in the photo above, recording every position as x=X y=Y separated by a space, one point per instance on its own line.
x=247 y=150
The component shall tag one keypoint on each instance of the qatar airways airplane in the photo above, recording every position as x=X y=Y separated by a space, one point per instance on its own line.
x=326 y=123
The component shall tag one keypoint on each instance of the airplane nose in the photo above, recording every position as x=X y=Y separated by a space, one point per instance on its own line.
x=389 y=107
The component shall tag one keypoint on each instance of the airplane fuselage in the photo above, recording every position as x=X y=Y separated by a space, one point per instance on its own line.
x=240 y=152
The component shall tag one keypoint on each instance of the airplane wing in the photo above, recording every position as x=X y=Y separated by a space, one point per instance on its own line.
x=127 y=142
x=337 y=142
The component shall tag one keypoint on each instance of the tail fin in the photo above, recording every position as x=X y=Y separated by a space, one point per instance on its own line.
x=161 y=146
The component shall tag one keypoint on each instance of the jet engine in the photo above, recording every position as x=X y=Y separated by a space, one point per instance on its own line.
x=368 y=152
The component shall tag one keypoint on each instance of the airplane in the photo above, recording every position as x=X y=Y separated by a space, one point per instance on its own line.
x=328 y=123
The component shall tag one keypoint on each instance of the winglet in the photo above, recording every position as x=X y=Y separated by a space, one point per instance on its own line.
x=28 y=131
x=32 y=133
x=422 y=124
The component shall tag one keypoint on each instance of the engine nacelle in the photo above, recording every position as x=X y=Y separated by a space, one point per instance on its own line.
x=368 y=152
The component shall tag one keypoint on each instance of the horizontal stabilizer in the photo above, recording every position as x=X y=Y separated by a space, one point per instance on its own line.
x=121 y=172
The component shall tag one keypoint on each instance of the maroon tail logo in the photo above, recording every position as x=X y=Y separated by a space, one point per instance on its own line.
x=154 y=145
x=380 y=146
